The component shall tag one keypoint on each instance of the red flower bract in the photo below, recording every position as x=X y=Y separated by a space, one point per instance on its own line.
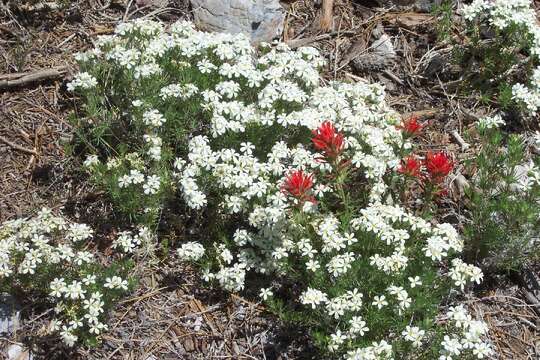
x=298 y=184
x=328 y=140
x=438 y=165
x=410 y=166
x=411 y=126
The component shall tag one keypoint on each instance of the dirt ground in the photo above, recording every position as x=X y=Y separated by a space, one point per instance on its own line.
x=172 y=315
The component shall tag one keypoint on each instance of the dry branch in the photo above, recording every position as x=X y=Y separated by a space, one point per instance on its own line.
x=18 y=147
x=9 y=81
x=460 y=141
x=327 y=15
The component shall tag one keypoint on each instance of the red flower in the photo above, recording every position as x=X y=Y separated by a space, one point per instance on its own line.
x=298 y=184
x=410 y=166
x=438 y=166
x=328 y=140
x=411 y=126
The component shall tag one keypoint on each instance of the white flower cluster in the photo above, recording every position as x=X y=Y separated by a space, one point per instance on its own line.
x=469 y=337
x=183 y=92
x=378 y=350
x=26 y=246
x=192 y=251
x=520 y=14
x=83 y=80
x=129 y=243
x=463 y=273
x=48 y=246
x=491 y=122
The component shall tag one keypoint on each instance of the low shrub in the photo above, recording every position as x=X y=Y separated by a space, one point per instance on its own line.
x=503 y=200
x=299 y=183
x=504 y=46
x=49 y=257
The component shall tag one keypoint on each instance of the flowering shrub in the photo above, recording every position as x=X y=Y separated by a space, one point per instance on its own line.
x=298 y=180
x=146 y=92
x=515 y=29
x=48 y=255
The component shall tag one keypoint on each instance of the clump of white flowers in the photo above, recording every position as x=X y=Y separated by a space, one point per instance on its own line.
x=83 y=80
x=192 y=251
x=467 y=337
x=233 y=130
x=491 y=122
x=141 y=244
x=505 y=15
x=47 y=253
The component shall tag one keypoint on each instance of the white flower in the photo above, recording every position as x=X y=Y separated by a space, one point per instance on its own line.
x=415 y=281
x=482 y=350
x=89 y=279
x=312 y=265
x=79 y=232
x=68 y=337
x=490 y=122
x=266 y=293
x=91 y=161
x=451 y=346
x=336 y=340
x=358 y=326
x=58 y=287
x=153 y=118
x=74 y=291
x=380 y=301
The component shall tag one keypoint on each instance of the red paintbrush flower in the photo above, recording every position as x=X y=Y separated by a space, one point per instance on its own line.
x=328 y=140
x=411 y=126
x=410 y=166
x=298 y=184
x=438 y=166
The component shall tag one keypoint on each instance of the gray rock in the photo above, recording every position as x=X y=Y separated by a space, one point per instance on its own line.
x=417 y=5
x=152 y=3
x=426 y=5
x=17 y=352
x=381 y=54
x=9 y=314
x=262 y=20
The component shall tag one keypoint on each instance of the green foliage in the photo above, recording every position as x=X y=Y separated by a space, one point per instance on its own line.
x=504 y=203
x=444 y=14
x=46 y=258
x=498 y=52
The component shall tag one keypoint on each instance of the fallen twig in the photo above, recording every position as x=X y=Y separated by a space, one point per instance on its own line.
x=422 y=114
x=460 y=141
x=18 y=147
x=327 y=15
x=9 y=81
x=393 y=77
